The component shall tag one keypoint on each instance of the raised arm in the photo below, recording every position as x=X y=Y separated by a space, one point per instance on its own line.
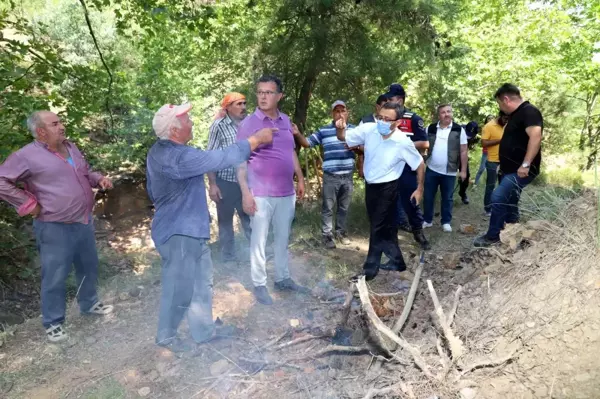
x=299 y=136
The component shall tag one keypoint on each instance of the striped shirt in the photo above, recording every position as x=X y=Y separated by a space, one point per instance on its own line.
x=221 y=134
x=337 y=158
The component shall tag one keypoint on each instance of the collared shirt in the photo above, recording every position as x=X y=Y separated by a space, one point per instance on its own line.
x=337 y=159
x=63 y=191
x=384 y=159
x=438 y=161
x=270 y=167
x=515 y=139
x=222 y=134
x=175 y=184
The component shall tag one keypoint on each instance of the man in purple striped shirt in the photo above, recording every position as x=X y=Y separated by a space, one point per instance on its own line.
x=57 y=193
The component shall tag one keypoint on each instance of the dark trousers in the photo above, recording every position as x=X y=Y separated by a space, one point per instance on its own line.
x=464 y=184
x=433 y=180
x=505 y=202
x=231 y=202
x=408 y=211
x=62 y=246
x=490 y=183
x=382 y=200
x=337 y=189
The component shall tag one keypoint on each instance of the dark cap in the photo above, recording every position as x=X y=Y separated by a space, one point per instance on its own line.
x=471 y=129
x=395 y=89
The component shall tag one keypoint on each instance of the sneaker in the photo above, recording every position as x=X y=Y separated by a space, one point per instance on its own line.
x=176 y=345
x=343 y=238
x=427 y=225
x=405 y=227
x=56 y=333
x=290 y=285
x=421 y=239
x=483 y=241
x=447 y=228
x=465 y=200
x=100 y=309
x=262 y=295
x=393 y=267
x=328 y=242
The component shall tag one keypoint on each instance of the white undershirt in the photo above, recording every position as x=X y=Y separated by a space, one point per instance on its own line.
x=438 y=161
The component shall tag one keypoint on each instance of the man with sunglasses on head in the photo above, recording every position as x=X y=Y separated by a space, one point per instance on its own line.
x=387 y=151
x=224 y=189
x=267 y=184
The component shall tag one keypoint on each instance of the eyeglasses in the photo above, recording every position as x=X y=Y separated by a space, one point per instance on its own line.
x=265 y=93
x=385 y=119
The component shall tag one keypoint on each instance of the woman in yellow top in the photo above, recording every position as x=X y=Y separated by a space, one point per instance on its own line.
x=490 y=140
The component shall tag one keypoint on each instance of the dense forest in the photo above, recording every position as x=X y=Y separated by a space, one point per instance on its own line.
x=106 y=66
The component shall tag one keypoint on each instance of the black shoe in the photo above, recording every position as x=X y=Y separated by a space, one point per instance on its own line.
x=483 y=241
x=421 y=239
x=290 y=285
x=465 y=200
x=393 y=267
x=405 y=227
x=262 y=295
x=176 y=345
x=328 y=242
x=343 y=238
x=368 y=276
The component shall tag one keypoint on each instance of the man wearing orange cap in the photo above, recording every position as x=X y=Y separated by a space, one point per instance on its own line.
x=224 y=189
x=180 y=226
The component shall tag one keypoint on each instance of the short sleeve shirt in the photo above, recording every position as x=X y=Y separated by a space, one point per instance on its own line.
x=384 y=159
x=515 y=139
x=270 y=167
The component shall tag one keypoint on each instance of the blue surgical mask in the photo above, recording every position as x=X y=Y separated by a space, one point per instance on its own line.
x=383 y=127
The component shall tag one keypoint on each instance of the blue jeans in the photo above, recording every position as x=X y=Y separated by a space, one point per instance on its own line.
x=187 y=286
x=408 y=212
x=446 y=183
x=482 y=167
x=490 y=183
x=505 y=202
x=62 y=245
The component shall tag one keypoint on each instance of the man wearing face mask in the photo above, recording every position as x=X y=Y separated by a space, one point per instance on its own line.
x=387 y=151
x=224 y=189
x=409 y=217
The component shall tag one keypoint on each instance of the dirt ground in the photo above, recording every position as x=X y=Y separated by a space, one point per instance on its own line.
x=531 y=303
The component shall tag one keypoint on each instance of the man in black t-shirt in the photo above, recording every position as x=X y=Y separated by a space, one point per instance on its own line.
x=520 y=159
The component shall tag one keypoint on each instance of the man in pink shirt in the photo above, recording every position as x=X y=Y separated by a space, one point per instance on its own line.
x=267 y=185
x=58 y=194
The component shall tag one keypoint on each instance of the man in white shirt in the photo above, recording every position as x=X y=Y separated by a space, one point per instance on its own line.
x=387 y=150
x=447 y=153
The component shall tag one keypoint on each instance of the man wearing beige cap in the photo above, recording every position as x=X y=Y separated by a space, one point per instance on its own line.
x=338 y=168
x=224 y=188
x=180 y=227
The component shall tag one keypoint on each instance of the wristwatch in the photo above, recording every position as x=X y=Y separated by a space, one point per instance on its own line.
x=525 y=165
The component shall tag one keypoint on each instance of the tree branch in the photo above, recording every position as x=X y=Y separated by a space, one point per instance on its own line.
x=110 y=77
x=19 y=78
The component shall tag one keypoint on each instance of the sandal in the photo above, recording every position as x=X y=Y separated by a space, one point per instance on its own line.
x=55 y=333
x=100 y=309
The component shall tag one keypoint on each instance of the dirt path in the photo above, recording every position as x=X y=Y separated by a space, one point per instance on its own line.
x=115 y=356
